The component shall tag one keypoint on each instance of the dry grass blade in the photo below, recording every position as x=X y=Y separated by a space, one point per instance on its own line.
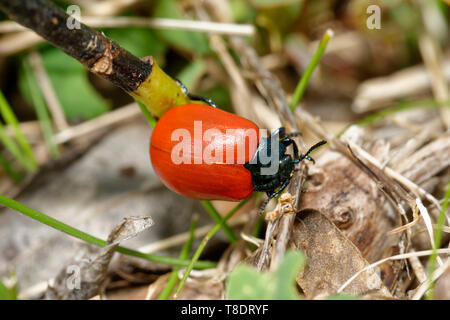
x=400 y=178
x=420 y=291
x=396 y=257
x=48 y=92
x=157 y=23
x=120 y=115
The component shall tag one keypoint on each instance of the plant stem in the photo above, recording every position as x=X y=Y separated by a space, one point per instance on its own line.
x=437 y=242
x=302 y=84
x=218 y=218
x=173 y=279
x=43 y=218
x=202 y=245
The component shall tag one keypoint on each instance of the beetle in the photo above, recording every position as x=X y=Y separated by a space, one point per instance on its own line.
x=185 y=134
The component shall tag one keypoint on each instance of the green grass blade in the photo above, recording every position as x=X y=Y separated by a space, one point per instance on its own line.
x=43 y=218
x=303 y=83
x=11 y=120
x=398 y=108
x=202 y=245
x=437 y=242
x=218 y=218
x=41 y=109
x=173 y=279
x=9 y=168
x=14 y=149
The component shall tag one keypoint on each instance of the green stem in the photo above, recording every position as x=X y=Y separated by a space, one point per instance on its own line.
x=202 y=245
x=151 y=121
x=303 y=83
x=41 y=109
x=218 y=218
x=43 y=218
x=173 y=279
x=437 y=242
x=11 y=120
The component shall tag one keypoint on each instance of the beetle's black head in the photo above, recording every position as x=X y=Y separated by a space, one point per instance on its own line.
x=275 y=182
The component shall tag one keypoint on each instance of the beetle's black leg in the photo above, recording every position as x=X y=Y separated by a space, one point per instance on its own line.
x=200 y=98
x=283 y=186
x=182 y=86
x=280 y=132
x=287 y=142
x=271 y=195
x=294 y=146
x=263 y=206
x=193 y=96
x=294 y=134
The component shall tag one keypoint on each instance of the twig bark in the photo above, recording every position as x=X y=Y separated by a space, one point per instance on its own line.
x=99 y=54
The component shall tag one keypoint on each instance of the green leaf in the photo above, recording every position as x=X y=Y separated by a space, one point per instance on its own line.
x=191 y=41
x=245 y=283
x=242 y=11
x=79 y=100
x=220 y=95
x=286 y=274
x=274 y=3
x=191 y=73
x=9 y=292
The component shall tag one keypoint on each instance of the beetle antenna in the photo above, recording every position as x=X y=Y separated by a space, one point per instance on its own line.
x=306 y=155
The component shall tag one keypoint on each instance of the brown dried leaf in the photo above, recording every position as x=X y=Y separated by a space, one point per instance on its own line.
x=353 y=202
x=331 y=259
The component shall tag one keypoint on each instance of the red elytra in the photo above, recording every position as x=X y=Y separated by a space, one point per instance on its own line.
x=203 y=173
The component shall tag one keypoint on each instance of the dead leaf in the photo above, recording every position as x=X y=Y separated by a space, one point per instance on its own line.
x=331 y=259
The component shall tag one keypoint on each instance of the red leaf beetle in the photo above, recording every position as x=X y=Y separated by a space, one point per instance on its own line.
x=205 y=153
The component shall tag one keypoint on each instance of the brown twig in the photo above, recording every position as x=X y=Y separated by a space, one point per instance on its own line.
x=99 y=54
